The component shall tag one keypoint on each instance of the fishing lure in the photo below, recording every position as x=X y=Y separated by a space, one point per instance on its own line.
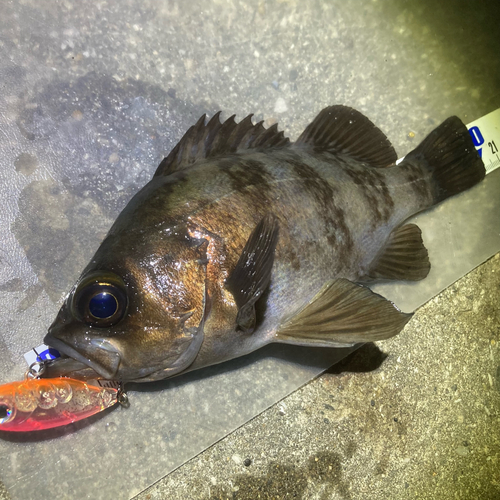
x=36 y=404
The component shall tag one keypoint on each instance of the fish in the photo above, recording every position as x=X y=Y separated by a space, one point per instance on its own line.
x=243 y=238
x=39 y=404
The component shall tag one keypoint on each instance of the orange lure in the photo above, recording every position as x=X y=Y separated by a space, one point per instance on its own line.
x=37 y=404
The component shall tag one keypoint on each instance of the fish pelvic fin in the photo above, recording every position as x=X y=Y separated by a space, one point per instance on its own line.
x=449 y=153
x=343 y=314
x=404 y=257
x=343 y=130
x=203 y=141
x=252 y=274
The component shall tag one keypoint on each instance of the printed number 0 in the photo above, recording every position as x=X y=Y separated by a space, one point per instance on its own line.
x=477 y=139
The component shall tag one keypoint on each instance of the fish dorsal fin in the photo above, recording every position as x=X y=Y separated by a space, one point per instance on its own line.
x=340 y=129
x=252 y=274
x=204 y=141
x=404 y=257
x=342 y=314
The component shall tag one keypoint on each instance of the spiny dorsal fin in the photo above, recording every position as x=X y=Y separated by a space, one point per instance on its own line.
x=340 y=129
x=252 y=273
x=215 y=139
x=404 y=257
x=342 y=314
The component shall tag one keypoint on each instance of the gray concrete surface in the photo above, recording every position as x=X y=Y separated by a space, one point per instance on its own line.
x=418 y=418
x=110 y=86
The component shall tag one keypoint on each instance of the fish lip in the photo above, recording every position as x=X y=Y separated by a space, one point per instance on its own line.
x=64 y=366
x=66 y=349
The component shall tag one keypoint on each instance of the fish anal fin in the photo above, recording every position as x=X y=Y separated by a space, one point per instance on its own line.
x=252 y=274
x=343 y=130
x=404 y=257
x=203 y=141
x=343 y=314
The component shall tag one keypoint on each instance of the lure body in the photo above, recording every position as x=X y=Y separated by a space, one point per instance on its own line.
x=37 y=404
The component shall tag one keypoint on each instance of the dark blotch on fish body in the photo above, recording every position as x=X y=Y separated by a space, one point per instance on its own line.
x=335 y=229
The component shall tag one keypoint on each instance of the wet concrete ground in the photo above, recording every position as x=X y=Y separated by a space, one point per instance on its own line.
x=417 y=417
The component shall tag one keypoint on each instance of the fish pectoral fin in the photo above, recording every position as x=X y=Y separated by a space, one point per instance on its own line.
x=342 y=314
x=340 y=129
x=252 y=273
x=404 y=257
x=216 y=139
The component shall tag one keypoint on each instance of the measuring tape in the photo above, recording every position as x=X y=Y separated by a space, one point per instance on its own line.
x=485 y=133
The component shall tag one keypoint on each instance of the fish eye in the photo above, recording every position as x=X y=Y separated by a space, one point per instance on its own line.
x=100 y=300
x=103 y=305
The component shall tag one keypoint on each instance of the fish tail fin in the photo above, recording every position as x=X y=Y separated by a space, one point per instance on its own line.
x=449 y=153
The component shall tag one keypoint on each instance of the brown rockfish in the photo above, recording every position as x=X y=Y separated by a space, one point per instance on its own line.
x=243 y=238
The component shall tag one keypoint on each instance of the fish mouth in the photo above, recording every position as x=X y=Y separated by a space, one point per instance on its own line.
x=102 y=349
